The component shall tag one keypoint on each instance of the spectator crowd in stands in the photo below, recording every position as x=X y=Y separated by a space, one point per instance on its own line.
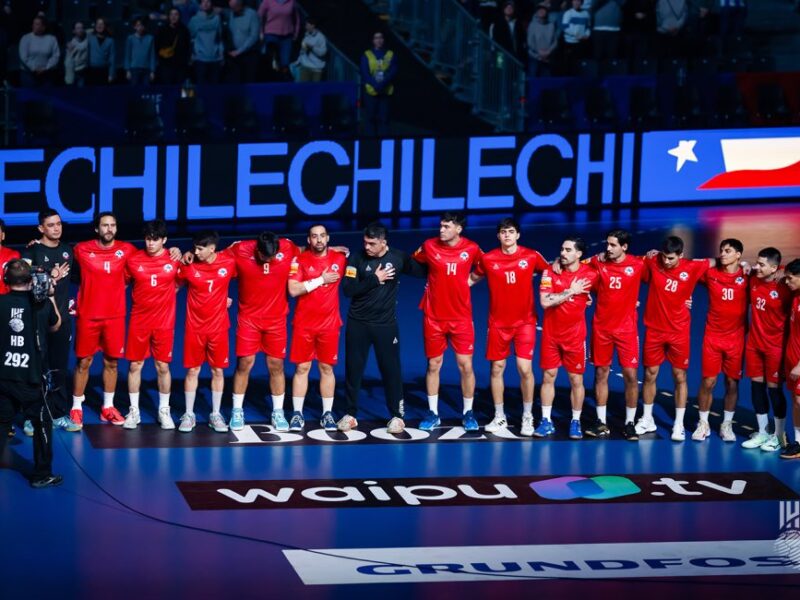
x=231 y=41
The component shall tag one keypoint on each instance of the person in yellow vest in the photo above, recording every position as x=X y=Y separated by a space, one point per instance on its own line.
x=378 y=70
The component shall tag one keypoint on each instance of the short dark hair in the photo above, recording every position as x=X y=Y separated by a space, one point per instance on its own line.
x=139 y=20
x=206 y=237
x=508 y=223
x=773 y=255
x=17 y=272
x=579 y=243
x=100 y=215
x=453 y=217
x=623 y=236
x=46 y=214
x=672 y=245
x=793 y=268
x=312 y=20
x=733 y=243
x=267 y=244
x=317 y=225
x=155 y=230
x=2 y=225
x=376 y=230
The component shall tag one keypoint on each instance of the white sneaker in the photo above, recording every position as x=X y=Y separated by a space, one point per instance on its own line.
x=165 y=418
x=756 y=440
x=773 y=444
x=527 y=425
x=702 y=431
x=132 y=419
x=217 y=423
x=188 y=421
x=395 y=425
x=678 y=434
x=645 y=425
x=497 y=424
x=726 y=432
x=347 y=422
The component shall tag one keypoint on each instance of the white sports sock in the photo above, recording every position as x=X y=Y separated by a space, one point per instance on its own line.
x=163 y=400
x=780 y=427
x=704 y=416
x=499 y=411
x=602 y=411
x=433 y=403
x=238 y=400
x=576 y=415
x=527 y=408
x=546 y=412
x=108 y=399
x=297 y=403
x=134 y=399
x=277 y=402
x=77 y=401
x=728 y=415
x=797 y=434
x=763 y=421
x=190 y=401
x=216 y=401
x=679 y=414
x=468 y=404
x=630 y=413
x=327 y=405
x=648 y=411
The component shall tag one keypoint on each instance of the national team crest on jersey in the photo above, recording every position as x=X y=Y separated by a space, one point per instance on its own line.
x=523 y=264
x=335 y=268
x=168 y=268
x=65 y=255
x=279 y=256
x=774 y=294
x=222 y=272
x=119 y=254
x=628 y=271
x=683 y=276
x=464 y=255
x=389 y=266
x=739 y=280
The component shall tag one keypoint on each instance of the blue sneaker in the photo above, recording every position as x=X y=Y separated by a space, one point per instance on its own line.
x=66 y=424
x=575 y=432
x=27 y=428
x=237 y=419
x=279 y=422
x=544 y=429
x=327 y=422
x=430 y=421
x=469 y=422
x=297 y=422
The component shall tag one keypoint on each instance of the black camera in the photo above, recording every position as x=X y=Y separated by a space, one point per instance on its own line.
x=40 y=283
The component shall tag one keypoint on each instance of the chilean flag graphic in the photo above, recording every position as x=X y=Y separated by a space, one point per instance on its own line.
x=725 y=164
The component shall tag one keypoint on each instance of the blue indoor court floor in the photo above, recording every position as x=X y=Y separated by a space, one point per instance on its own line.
x=254 y=514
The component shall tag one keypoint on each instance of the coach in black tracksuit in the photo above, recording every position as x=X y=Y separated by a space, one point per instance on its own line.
x=371 y=282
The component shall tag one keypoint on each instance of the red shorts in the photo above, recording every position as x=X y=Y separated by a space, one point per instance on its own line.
x=498 y=343
x=107 y=335
x=205 y=347
x=626 y=343
x=723 y=355
x=768 y=365
x=571 y=354
x=270 y=338
x=793 y=385
x=436 y=334
x=142 y=341
x=664 y=345
x=308 y=344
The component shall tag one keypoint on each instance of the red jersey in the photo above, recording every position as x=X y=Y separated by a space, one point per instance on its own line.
x=207 y=297
x=793 y=341
x=666 y=308
x=509 y=277
x=153 y=289
x=618 y=286
x=447 y=296
x=770 y=302
x=567 y=320
x=727 y=297
x=262 y=286
x=101 y=294
x=318 y=310
x=6 y=255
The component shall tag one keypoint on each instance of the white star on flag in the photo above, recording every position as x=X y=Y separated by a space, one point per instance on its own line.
x=683 y=151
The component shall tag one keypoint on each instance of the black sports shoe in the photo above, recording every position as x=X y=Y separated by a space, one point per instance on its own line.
x=49 y=481
x=598 y=429
x=629 y=433
x=791 y=451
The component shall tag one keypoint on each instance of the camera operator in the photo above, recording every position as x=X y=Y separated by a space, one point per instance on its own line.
x=30 y=313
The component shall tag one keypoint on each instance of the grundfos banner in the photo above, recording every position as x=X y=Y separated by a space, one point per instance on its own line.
x=402 y=177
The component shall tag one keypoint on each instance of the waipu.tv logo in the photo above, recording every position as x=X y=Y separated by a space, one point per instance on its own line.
x=602 y=487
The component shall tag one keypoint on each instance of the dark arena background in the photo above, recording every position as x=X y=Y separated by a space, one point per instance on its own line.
x=672 y=118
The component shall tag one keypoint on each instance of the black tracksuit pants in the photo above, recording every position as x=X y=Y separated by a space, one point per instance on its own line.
x=30 y=400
